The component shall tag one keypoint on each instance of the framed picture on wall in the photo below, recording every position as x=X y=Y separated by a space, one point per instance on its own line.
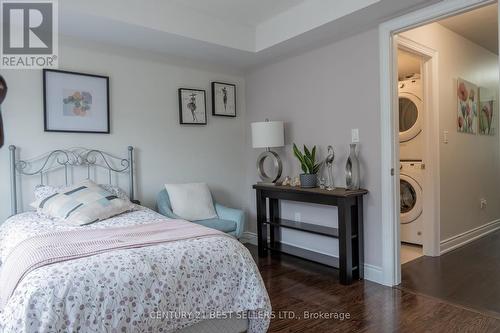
x=488 y=111
x=223 y=99
x=467 y=105
x=192 y=107
x=75 y=102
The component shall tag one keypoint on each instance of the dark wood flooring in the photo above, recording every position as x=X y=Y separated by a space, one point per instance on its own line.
x=298 y=286
x=468 y=276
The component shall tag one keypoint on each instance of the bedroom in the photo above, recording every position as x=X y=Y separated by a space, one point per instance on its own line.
x=143 y=53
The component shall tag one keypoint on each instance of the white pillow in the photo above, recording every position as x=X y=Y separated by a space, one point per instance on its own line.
x=192 y=202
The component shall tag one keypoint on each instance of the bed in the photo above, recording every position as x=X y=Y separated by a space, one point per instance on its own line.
x=199 y=284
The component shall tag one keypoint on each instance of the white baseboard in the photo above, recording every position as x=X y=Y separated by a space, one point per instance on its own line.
x=372 y=273
x=459 y=240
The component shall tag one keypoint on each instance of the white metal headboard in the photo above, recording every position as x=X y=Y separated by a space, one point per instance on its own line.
x=68 y=159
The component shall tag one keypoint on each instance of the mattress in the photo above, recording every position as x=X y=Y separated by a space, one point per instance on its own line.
x=169 y=287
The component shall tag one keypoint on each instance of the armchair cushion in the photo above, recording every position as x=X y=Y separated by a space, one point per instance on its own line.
x=229 y=220
x=192 y=202
x=219 y=224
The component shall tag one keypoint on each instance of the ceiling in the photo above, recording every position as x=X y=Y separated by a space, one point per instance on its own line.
x=479 y=25
x=248 y=12
x=234 y=34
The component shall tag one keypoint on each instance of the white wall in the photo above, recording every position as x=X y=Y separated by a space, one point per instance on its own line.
x=470 y=164
x=144 y=113
x=321 y=95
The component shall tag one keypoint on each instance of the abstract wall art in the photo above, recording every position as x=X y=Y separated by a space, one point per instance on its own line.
x=75 y=102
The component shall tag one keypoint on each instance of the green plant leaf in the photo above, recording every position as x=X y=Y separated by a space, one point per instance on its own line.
x=316 y=168
x=298 y=154
x=313 y=157
x=307 y=152
x=300 y=157
x=310 y=165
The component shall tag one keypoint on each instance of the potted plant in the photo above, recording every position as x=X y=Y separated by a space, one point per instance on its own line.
x=309 y=166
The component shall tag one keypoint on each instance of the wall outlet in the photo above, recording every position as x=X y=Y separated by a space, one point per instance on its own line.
x=298 y=217
x=483 y=203
x=355 y=135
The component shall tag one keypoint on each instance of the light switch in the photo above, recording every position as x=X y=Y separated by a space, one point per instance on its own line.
x=355 y=135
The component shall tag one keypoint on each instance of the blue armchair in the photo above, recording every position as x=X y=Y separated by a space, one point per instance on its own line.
x=231 y=221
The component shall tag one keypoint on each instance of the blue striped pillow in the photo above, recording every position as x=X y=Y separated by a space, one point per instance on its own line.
x=82 y=204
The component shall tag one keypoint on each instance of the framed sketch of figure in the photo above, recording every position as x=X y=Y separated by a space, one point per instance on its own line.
x=192 y=107
x=223 y=99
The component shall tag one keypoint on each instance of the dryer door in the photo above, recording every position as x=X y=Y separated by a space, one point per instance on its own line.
x=410 y=116
x=410 y=199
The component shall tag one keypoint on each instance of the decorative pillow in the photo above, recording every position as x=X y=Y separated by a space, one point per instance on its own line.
x=43 y=191
x=192 y=202
x=116 y=191
x=82 y=204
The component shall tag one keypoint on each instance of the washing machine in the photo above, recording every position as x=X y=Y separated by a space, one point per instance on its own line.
x=411 y=198
x=411 y=112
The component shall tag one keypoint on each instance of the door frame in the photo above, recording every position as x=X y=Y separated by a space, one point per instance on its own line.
x=391 y=268
x=430 y=158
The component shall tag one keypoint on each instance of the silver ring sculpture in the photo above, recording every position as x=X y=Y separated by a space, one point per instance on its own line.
x=278 y=166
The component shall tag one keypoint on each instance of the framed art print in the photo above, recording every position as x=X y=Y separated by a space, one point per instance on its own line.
x=75 y=102
x=192 y=107
x=488 y=111
x=223 y=99
x=467 y=104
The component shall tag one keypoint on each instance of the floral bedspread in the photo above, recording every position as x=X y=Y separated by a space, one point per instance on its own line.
x=159 y=288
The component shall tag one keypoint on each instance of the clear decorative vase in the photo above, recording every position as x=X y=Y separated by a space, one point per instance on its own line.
x=352 y=169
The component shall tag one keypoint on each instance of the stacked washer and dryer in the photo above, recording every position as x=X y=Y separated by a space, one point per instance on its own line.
x=411 y=154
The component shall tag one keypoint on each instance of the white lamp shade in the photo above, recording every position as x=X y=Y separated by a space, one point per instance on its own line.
x=268 y=134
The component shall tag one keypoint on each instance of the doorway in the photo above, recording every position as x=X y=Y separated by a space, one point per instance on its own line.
x=389 y=45
x=418 y=128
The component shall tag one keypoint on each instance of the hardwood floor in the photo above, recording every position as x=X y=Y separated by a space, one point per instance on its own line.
x=468 y=276
x=298 y=286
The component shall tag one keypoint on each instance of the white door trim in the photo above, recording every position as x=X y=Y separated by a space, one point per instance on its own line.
x=389 y=136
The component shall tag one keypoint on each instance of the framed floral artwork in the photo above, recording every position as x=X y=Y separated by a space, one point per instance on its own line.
x=467 y=107
x=75 y=102
x=488 y=111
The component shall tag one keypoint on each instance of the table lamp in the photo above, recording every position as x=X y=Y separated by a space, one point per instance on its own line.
x=268 y=134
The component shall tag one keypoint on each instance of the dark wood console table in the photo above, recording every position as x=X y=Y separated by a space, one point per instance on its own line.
x=349 y=232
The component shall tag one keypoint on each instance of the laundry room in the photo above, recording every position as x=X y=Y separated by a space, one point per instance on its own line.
x=410 y=93
x=449 y=146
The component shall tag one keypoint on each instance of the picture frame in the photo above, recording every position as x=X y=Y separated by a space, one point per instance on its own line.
x=75 y=102
x=223 y=99
x=467 y=107
x=488 y=111
x=192 y=106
